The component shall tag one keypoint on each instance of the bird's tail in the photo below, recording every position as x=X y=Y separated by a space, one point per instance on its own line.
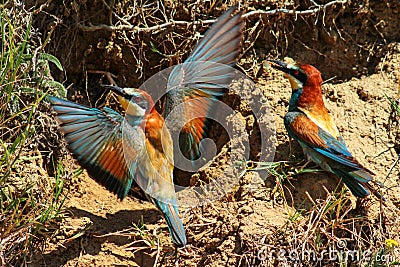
x=174 y=222
x=358 y=183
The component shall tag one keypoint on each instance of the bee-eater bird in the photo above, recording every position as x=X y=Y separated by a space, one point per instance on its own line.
x=145 y=152
x=95 y=137
x=309 y=122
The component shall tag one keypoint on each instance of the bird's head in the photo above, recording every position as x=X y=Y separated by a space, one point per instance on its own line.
x=134 y=101
x=305 y=81
x=299 y=75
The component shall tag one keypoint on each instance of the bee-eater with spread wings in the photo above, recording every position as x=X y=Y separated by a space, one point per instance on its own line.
x=115 y=150
x=309 y=122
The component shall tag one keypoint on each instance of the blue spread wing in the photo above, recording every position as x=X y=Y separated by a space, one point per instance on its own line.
x=94 y=137
x=205 y=74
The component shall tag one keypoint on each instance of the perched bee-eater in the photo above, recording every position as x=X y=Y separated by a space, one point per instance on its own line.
x=309 y=122
x=115 y=149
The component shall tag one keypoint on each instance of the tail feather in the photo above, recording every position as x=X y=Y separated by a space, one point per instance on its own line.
x=358 y=183
x=174 y=222
x=356 y=187
x=362 y=175
x=374 y=191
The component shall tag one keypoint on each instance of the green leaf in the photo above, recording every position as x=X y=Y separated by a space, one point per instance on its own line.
x=52 y=59
x=60 y=89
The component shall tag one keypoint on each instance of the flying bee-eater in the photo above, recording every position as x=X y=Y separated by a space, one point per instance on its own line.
x=115 y=149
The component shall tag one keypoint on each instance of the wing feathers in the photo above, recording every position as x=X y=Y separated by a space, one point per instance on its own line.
x=205 y=73
x=337 y=157
x=221 y=41
x=95 y=139
x=305 y=129
x=302 y=128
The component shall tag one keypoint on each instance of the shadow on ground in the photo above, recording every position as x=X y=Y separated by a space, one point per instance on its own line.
x=99 y=235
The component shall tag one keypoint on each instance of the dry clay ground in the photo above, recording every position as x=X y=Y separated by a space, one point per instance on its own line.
x=97 y=228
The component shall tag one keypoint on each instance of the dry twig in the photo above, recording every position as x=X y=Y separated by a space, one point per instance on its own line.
x=173 y=23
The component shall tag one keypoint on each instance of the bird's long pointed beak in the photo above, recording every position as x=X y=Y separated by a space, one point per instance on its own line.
x=118 y=90
x=279 y=65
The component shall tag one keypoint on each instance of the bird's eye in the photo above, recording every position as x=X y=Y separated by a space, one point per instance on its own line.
x=137 y=99
x=296 y=72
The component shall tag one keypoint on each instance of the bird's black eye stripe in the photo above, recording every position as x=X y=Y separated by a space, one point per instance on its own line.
x=299 y=75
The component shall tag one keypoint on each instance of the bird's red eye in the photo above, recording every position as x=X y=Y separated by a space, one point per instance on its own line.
x=137 y=99
x=296 y=72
